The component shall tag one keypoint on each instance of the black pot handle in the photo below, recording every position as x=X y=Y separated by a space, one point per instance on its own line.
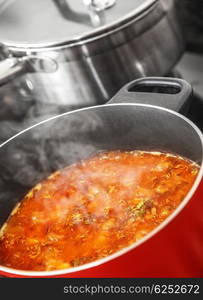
x=171 y=93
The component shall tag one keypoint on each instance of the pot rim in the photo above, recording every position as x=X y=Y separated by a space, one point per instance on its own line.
x=81 y=40
x=125 y=250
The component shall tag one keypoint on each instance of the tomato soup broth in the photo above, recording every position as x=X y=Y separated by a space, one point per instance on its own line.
x=93 y=208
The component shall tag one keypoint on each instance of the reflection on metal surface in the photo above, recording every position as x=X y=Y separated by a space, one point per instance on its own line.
x=100 y=4
x=42 y=64
x=140 y=67
x=69 y=14
x=4 y=4
x=97 y=77
x=12 y=67
x=18 y=26
x=96 y=10
x=95 y=15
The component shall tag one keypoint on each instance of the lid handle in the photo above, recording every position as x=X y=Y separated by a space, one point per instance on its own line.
x=96 y=9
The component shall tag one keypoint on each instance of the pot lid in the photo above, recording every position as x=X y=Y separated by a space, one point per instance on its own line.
x=40 y=23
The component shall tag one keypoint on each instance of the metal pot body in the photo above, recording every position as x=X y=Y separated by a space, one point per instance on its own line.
x=174 y=248
x=91 y=70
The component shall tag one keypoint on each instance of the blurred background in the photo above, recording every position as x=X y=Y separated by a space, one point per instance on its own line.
x=191 y=16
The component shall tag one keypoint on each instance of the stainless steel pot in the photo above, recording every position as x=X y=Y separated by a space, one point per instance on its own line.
x=63 y=59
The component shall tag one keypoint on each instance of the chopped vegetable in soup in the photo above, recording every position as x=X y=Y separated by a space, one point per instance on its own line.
x=94 y=208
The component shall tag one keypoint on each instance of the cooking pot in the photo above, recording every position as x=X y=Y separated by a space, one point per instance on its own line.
x=57 y=56
x=174 y=248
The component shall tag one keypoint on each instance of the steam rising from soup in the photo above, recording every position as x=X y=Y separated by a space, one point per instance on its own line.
x=94 y=208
